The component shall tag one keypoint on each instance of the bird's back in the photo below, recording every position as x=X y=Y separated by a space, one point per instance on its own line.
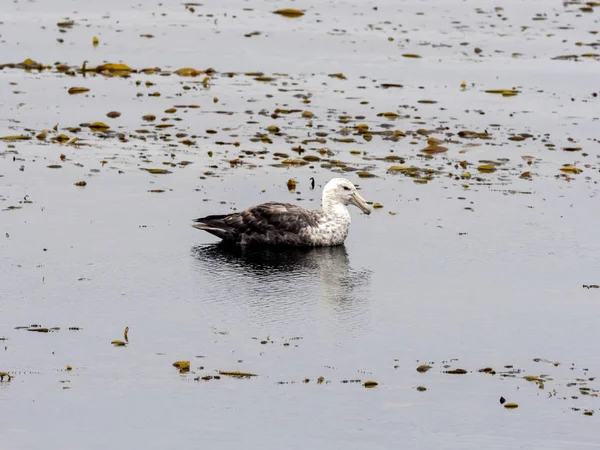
x=271 y=223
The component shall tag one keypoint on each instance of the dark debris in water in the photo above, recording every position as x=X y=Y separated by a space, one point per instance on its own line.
x=396 y=144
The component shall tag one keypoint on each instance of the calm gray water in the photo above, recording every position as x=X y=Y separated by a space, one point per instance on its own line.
x=490 y=274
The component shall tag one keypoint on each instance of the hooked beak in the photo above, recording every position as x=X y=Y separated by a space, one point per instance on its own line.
x=360 y=203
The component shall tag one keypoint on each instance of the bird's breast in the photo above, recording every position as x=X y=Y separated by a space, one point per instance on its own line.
x=330 y=232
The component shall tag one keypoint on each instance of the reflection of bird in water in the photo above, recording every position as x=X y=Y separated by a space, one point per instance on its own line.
x=285 y=277
x=271 y=262
x=276 y=223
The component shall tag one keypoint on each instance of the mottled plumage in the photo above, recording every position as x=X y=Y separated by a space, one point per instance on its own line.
x=276 y=223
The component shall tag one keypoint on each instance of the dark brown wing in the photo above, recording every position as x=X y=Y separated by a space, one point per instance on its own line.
x=269 y=223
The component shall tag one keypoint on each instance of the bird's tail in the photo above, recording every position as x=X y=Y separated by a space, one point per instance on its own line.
x=217 y=226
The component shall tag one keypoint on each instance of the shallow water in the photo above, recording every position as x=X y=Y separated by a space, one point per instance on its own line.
x=470 y=272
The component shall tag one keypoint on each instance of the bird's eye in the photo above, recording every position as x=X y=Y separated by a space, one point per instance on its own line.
x=346 y=188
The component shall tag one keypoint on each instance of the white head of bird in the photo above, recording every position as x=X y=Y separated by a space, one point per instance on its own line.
x=340 y=192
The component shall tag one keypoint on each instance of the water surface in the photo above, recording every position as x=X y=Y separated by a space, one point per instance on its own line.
x=467 y=272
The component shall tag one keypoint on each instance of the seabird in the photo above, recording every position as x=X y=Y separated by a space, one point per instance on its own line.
x=275 y=223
